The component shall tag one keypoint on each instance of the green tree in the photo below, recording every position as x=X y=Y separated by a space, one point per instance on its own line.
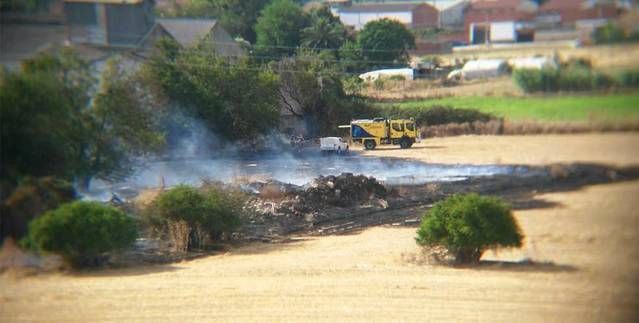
x=608 y=34
x=51 y=127
x=237 y=101
x=385 y=42
x=82 y=232
x=325 y=31
x=352 y=59
x=279 y=28
x=239 y=17
x=467 y=225
x=311 y=89
x=119 y=126
x=41 y=125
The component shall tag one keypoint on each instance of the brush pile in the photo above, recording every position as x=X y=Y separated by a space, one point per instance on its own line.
x=345 y=190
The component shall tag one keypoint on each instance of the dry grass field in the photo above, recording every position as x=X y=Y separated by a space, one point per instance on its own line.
x=618 y=149
x=602 y=57
x=421 y=89
x=583 y=245
x=605 y=58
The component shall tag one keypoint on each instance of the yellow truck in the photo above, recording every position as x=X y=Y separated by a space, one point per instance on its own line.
x=382 y=131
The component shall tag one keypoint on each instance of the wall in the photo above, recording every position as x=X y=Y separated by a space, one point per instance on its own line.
x=82 y=21
x=425 y=16
x=359 y=19
x=453 y=16
x=502 y=31
x=571 y=15
x=128 y=24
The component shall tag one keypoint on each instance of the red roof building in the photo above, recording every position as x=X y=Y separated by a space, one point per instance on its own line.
x=568 y=12
x=499 y=16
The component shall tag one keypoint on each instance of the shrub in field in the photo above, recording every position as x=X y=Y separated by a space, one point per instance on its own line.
x=629 y=78
x=228 y=205
x=573 y=75
x=576 y=78
x=530 y=80
x=603 y=81
x=31 y=198
x=82 y=232
x=608 y=34
x=467 y=225
x=191 y=217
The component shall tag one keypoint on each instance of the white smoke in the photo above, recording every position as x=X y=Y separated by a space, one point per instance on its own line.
x=203 y=156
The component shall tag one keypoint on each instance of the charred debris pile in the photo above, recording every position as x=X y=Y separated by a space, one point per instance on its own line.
x=355 y=201
x=278 y=208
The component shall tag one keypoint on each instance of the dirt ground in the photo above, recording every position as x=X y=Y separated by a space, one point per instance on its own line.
x=583 y=244
x=618 y=149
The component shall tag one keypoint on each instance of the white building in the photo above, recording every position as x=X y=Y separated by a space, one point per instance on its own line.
x=413 y=15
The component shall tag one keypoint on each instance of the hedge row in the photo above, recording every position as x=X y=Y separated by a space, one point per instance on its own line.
x=573 y=78
x=439 y=115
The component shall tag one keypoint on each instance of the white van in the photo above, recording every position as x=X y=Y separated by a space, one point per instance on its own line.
x=334 y=144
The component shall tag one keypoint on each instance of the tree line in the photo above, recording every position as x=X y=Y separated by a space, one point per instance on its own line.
x=62 y=124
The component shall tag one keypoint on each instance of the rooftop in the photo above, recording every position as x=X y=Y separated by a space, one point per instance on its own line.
x=187 y=31
x=381 y=7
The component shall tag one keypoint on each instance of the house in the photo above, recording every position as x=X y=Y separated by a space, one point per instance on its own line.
x=108 y=22
x=575 y=19
x=569 y=12
x=21 y=41
x=494 y=21
x=452 y=16
x=413 y=15
x=189 y=32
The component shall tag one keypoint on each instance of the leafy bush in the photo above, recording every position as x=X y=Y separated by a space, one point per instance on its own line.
x=546 y=80
x=629 y=78
x=82 y=232
x=467 y=225
x=203 y=214
x=602 y=81
x=573 y=76
x=30 y=199
x=577 y=78
x=438 y=115
x=610 y=33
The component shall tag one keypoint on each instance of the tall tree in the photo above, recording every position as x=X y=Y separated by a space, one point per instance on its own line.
x=239 y=17
x=278 y=29
x=51 y=127
x=325 y=30
x=385 y=42
x=119 y=126
x=40 y=129
x=41 y=114
x=351 y=58
x=236 y=100
x=311 y=89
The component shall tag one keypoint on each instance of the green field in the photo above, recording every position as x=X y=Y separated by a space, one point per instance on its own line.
x=614 y=107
